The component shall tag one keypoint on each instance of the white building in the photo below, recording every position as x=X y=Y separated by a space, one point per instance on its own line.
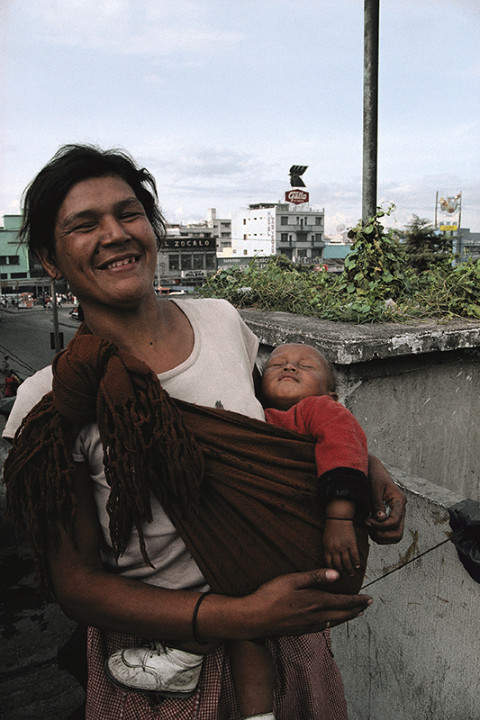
x=221 y=229
x=265 y=229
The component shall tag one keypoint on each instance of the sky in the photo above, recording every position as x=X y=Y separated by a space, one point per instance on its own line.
x=218 y=98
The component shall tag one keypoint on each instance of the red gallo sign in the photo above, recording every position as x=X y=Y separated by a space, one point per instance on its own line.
x=296 y=196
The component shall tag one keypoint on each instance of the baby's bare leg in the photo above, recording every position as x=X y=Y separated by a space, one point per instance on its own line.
x=252 y=676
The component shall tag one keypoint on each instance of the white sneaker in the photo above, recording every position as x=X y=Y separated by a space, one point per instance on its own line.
x=158 y=668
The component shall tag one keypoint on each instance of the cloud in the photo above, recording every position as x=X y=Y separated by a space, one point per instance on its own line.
x=130 y=27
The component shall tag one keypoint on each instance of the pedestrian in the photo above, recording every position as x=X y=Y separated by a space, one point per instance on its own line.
x=11 y=384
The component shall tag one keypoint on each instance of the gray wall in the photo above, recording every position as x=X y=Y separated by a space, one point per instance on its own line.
x=414 y=654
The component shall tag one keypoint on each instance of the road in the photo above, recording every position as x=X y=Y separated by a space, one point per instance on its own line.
x=31 y=683
x=25 y=337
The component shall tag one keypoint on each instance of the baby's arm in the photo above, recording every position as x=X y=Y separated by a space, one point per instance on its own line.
x=340 y=543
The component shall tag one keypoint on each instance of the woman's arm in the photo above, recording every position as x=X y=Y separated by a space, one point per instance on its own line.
x=290 y=605
x=385 y=529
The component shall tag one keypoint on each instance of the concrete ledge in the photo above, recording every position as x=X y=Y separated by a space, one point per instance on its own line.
x=346 y=343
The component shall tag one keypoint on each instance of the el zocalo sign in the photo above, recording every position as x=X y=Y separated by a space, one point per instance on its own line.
x=296 y=196
x=181 y=243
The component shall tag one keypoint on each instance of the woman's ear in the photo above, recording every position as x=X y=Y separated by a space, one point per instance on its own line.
x=333 y=395
x=48 y=263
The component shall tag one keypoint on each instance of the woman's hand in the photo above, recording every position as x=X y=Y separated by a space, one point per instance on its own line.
x=385 y=529
x=293 y=604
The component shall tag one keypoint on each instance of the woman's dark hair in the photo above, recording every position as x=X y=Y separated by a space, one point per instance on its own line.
x=70 y=165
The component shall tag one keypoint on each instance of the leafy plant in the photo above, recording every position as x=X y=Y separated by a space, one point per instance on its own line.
x=376 y=285
x=425 y=246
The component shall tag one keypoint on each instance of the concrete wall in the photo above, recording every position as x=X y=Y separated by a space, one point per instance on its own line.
x=414 y=654
x=415 y=389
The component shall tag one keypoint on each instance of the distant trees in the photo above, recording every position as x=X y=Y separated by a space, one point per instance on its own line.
x=424 y=246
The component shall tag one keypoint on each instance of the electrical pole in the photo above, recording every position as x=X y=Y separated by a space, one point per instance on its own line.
x=57 y=338
x=370 y=109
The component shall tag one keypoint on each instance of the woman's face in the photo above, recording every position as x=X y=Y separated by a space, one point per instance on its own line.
x=105 y=246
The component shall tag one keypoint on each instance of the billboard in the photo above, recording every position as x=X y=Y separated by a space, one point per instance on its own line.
x=448 y=210
x=296 y=196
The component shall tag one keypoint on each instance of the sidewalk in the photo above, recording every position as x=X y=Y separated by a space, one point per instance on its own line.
x=31 y=683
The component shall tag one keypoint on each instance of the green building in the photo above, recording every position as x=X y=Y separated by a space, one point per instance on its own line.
x=14 y=262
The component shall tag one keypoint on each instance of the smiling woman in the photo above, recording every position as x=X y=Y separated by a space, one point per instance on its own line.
x=116 y=463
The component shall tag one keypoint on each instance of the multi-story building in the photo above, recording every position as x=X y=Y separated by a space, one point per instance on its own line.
x=14 y=261
x=222 y=229
x=264 y=229
x=466 y=245
x=187 y=256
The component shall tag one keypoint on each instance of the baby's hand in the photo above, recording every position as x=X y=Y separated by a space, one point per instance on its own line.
x=340 y=545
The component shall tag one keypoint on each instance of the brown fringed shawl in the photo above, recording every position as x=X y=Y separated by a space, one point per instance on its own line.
x=242 y=493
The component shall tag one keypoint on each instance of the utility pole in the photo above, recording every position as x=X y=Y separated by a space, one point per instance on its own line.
x=370 y=109
x=57 y=336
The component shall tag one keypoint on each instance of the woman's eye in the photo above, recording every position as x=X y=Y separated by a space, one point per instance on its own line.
x=85 y=227
x=131 y=215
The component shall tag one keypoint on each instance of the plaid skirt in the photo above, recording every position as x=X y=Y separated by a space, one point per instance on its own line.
x=308 y=685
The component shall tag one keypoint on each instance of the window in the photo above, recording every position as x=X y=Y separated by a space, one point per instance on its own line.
x=283 y=220
x=284 y=237
x=186 y=260
x=210 y=261
x=18 y=275
x=318 y=221
x=3 y=259
x=245 y=252
x=198 y=263
x=14 y=260
x=173 y=262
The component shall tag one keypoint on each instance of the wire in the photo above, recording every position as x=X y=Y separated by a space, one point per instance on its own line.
x=400 y=567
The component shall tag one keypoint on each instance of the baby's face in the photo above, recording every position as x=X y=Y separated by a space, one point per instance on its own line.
x=293 y=372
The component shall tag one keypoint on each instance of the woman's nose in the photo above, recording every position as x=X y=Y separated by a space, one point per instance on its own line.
x=290 y=367
x=113 y=231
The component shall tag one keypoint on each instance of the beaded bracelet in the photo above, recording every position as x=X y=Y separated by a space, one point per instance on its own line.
x=327 y=517
x=194 y=619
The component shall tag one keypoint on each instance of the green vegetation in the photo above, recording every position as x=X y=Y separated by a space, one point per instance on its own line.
x=425 y=247
x=384 y=280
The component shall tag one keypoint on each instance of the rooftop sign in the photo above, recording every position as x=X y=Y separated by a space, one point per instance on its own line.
x=296 y=196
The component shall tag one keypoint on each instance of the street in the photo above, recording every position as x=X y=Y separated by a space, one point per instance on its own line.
x=25 y=337
x=32 y=684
